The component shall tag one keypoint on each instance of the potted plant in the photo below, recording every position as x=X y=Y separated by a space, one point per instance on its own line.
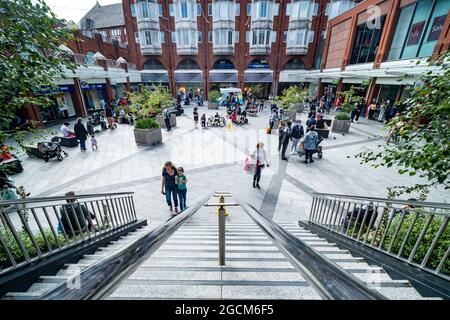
x=341 y=123
x=212 y=99
x=292 y=100
x=147 y=131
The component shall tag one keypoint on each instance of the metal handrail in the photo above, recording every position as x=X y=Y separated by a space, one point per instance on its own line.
x=329 y=279
x=411 y=231
x=62 y=198
x=413 y=202
x=36 y=228
x=102 y=278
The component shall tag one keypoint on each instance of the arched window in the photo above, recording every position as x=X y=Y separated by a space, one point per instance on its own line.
x=259 y=64
x=294 y=64
x=223 y=64
x=153 y=64
x=188 y=64
x=90 y=57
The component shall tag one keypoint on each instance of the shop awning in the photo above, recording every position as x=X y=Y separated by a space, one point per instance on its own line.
x=252 y=76
x=154 y=77
x=223 y=76
x=184 y=76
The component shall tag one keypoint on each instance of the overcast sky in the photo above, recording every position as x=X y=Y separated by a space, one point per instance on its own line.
x=74 y=9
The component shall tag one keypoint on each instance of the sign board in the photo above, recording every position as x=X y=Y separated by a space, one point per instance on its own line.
x=436 y=28
x=415 y=33
x=88 y=86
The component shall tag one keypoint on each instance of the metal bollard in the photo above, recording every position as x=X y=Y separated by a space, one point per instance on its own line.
x=221 y=231
x=221 y=216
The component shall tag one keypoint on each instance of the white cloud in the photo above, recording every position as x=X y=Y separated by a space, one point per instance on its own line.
x=74 y=10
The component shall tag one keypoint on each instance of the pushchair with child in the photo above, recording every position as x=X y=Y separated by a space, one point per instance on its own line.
x=318 y=150
x=52 y=149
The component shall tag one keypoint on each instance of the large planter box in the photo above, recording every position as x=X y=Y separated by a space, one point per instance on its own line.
x=69 y=142
x=299 y=107
x=162 y=123
x=324 y=133
x=213 y=105
x=148 y=136
x=340 y=126
x=290 y=114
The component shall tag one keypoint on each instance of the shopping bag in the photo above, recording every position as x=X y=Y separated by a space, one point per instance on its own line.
x=301 y=149
x=268 y=130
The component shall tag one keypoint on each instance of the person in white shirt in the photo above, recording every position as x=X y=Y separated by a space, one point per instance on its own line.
x=66 y=132
x=260 y=157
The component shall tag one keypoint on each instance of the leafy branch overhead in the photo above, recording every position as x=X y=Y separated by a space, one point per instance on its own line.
x=30 y=55
x=419 y=138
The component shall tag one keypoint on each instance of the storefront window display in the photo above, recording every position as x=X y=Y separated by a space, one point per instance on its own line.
x=61 y=103
x=366 y=42
x=418 y=28
x=94 y=95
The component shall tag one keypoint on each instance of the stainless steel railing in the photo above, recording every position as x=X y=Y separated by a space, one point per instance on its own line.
x=100 y=279
x=329 y=279
x=415 y=232
x=35 y=228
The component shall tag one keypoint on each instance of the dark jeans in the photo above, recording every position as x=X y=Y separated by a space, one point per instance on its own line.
x=171 y=193
x=257 y=176
x=283 y=150
x=182 y=196
x=358 y=113
x=167 y=122
x=308 y=154
x=82 y=145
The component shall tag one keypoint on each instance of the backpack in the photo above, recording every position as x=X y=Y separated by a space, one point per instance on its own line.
x=296 y=132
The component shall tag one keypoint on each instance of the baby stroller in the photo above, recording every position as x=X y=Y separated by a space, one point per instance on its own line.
x=52 y=150
x=318 y=150
x=214 y=121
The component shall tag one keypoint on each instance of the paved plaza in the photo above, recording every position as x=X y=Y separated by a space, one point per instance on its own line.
x=213 y=160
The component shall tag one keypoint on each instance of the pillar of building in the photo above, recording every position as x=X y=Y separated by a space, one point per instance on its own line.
x=206 y=83
x=78 y=100
x=388 y=33
x=348 y=51
x=171 y=79
x=109 y=91
x=443 y=43
x=339 y=86
x=320 y=89
x=128 y=84
x=371 y=93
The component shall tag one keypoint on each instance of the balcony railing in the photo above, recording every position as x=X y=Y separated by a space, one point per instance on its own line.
x=414 y=232
x=33 y=229
x=83 y=60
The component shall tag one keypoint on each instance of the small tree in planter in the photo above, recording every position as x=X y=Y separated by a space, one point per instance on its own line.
x=292 y=100
x=341 y=122
x=147 y=131
x=212 y=99
x=151 y=103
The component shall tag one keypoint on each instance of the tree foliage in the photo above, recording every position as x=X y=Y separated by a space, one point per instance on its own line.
x=292 y=96
x=419 y=138
x=30 y=56
x=150 y=103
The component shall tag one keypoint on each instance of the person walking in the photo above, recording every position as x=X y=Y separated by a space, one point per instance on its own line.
x=354 y=112
x=167 y=115
x=169 y=186
x=280 y=136
x=260 y=158
x=310 y=142
x=272 y=120
x=182 y=188
x=81 y=134
x=372 y=108
x=287 y=131
x=195 y=113
x=109 y=115
x=297 y=133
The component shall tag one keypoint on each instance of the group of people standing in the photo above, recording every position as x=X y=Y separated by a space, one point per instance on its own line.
x=295 y=133
x=190 y=97
x=174 y=187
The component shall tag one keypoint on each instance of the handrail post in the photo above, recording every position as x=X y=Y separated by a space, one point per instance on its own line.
x=221 y=231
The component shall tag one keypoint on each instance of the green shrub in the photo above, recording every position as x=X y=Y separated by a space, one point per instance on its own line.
x=292 y=96
x=436 y=254
x=213 y=95
x=15 y=250
x=146 y=123
x=342 y=116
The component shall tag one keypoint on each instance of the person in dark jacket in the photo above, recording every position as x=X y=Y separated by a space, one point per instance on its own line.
x=81 y=133
x=75 y=217
x=287 y=131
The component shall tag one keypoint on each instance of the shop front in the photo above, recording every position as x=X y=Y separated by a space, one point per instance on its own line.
x=330 y=88
x=258 y=83
x=61 y=103
x=359 y=86
x=222 y=79
x=119 y=90
x=189 y=81
x=94 y=95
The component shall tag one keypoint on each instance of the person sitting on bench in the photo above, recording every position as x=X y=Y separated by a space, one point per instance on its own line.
x=66 y=132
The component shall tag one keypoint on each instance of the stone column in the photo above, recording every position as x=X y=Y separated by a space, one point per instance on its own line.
x=78 y=100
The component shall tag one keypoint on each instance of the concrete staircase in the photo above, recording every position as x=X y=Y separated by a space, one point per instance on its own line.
x=186 y=267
